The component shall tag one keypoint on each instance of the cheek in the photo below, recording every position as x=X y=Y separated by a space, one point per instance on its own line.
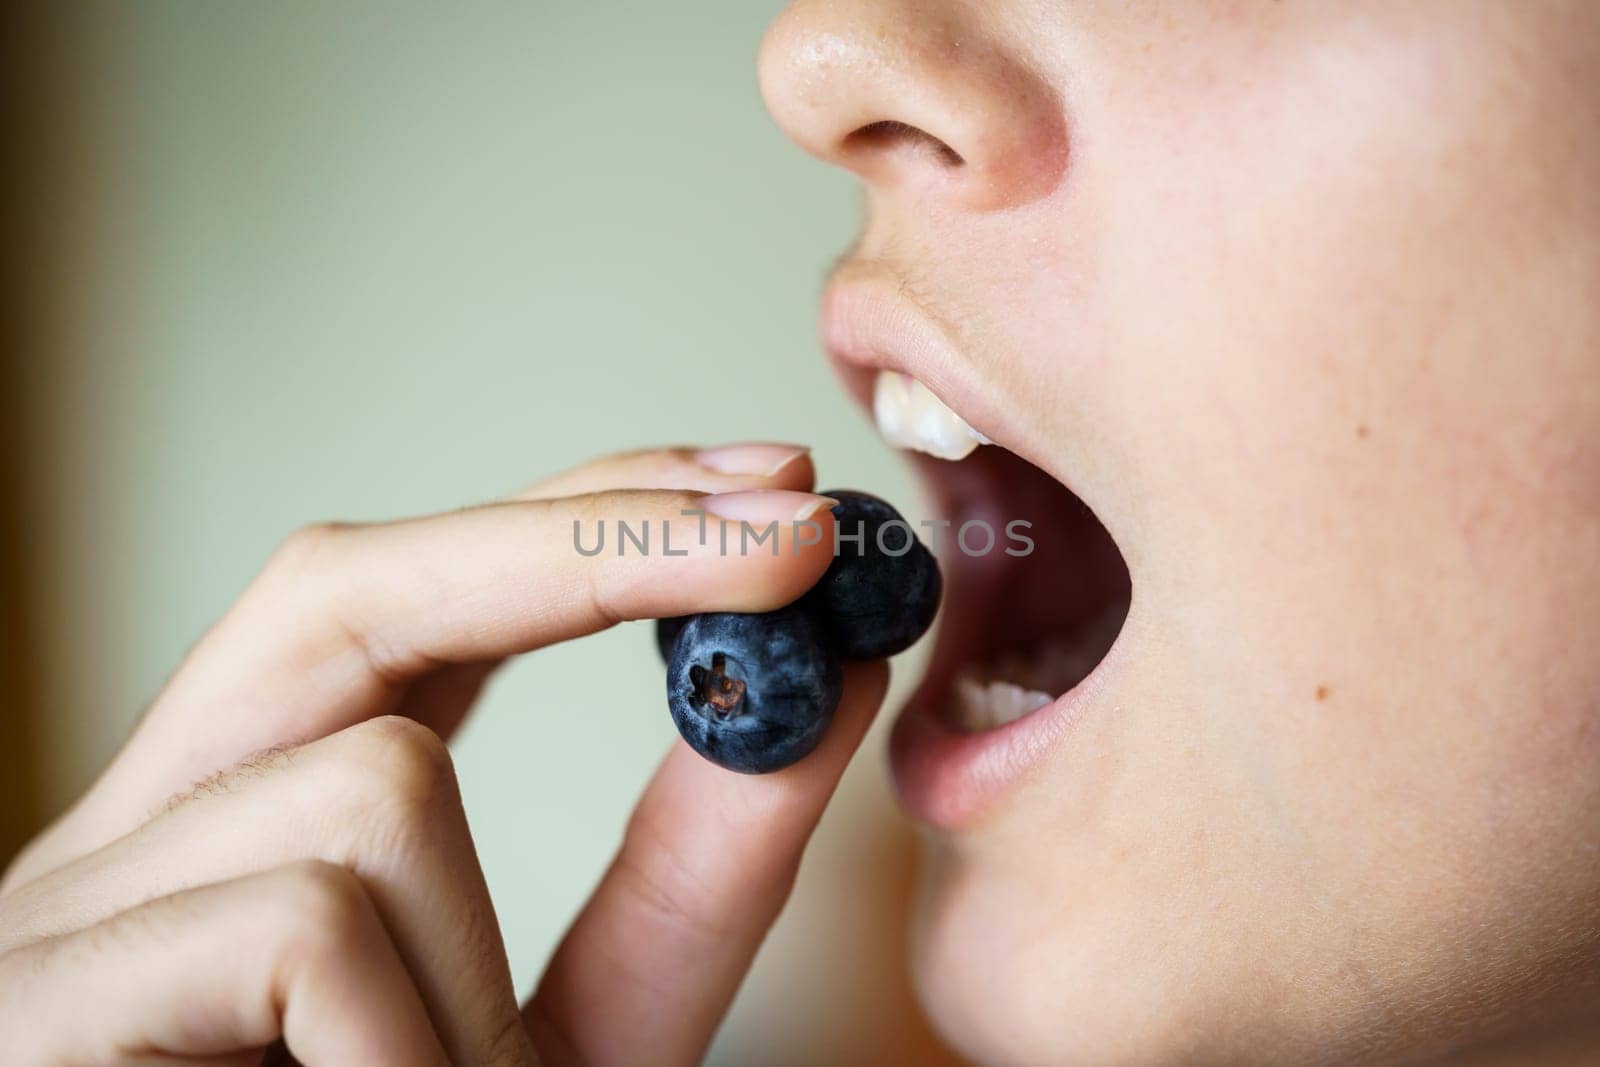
x=1347 y=360
x=1309 y=281
x=1339 y=374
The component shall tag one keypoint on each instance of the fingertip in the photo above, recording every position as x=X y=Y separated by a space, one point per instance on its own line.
x=770 y=546
x=781 y=465
x=799 y=473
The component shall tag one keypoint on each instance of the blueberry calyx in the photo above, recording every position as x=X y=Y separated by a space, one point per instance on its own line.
x=715 y=688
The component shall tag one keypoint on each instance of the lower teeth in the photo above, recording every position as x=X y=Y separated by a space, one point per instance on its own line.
x=1017 y=683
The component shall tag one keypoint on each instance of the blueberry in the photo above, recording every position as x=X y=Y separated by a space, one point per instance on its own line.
x=667 y=633
x=753 y=693
x=882 y=590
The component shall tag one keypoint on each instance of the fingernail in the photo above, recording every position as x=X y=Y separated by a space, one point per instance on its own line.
x=764 y=460
x=766 y=505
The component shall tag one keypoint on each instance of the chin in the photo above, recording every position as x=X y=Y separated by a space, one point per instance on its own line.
x=1014 y=970
x=990 y=997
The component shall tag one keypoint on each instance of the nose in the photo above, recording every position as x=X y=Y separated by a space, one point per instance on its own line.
x=914 y=97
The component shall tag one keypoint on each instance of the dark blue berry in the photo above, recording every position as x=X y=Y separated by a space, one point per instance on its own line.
x=753 y=693
x=667 y=633
x=882 y=590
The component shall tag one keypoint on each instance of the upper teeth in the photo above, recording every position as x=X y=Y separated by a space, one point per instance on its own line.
x=910 y=416
x=983 y=705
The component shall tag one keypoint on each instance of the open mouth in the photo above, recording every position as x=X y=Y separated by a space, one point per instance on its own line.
x=1036 y=590
x=1018 y=631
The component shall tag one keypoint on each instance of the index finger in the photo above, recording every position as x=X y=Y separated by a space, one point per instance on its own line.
x=347 y=617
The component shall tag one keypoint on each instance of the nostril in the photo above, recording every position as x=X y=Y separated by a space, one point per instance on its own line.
x=936 y=111
x=891 y=134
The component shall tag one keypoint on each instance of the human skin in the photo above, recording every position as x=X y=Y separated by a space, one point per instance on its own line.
x=318 y=887
x=1303 y=300
x=1299 y=297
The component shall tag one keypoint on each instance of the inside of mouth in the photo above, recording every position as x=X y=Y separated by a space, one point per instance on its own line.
x=1019 y=629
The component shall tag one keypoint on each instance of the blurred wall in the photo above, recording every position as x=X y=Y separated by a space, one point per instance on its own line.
x=19 y=321
x=303 y=261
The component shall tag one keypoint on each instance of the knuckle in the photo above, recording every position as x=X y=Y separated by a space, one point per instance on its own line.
x=400 y=768
x=304 y=554
x=305 y=549
x=319 y=905
x=316 y=569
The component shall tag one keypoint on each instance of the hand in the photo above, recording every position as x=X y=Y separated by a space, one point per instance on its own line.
x=319 y=886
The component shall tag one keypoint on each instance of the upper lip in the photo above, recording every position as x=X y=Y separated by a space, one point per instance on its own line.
x=870 y=322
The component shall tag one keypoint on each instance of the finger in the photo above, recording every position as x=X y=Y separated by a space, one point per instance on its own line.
x=379 y=799
x=346 y=618
x=285 y=692
x=297 y=953
x=649 y=967
x=707 y=470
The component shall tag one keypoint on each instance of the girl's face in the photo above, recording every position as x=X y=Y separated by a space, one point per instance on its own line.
x=1302 y=300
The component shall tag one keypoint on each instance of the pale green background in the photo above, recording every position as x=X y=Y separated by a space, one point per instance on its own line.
x=362 y=261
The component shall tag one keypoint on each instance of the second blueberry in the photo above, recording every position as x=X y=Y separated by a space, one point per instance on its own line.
x=882 y=590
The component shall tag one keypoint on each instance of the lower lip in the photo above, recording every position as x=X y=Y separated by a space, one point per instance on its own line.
x=948 y=778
